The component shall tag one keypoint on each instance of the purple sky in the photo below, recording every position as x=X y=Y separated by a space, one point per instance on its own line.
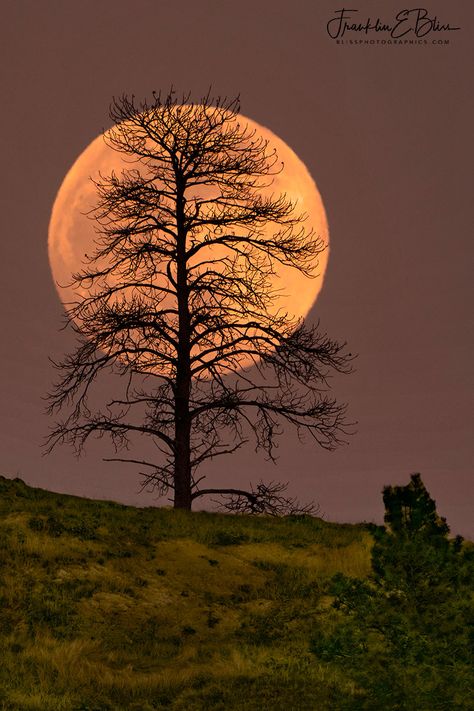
x=386 y=132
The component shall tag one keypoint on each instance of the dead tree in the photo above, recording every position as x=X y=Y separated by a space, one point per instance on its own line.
x=179 y=300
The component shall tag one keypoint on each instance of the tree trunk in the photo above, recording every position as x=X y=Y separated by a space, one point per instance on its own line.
x=182 y=461
x=182 y=464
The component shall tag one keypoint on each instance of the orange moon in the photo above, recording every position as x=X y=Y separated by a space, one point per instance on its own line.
x=71 y=232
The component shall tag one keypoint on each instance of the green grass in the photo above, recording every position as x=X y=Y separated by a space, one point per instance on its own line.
x=108 y=607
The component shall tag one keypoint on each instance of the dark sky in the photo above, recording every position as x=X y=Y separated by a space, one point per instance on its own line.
x=386 y=131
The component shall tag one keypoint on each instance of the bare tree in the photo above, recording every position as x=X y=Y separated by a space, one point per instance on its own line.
x=178 y=298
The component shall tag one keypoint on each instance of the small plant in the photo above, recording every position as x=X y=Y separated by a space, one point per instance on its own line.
x=187 y=630
x=36 y=523
x=227 y=538
x=212 y=620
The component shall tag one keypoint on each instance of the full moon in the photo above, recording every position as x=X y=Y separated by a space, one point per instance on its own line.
x=72 y=233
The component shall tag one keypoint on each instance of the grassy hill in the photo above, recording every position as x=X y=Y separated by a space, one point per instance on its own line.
x=105 y=606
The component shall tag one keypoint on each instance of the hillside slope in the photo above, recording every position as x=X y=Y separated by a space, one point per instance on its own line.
x=111 y=607
x=108 y=607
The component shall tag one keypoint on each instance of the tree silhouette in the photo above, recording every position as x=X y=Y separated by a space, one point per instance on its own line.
x=178 y=297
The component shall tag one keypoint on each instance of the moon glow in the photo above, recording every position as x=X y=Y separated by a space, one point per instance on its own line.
x=72 y=233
